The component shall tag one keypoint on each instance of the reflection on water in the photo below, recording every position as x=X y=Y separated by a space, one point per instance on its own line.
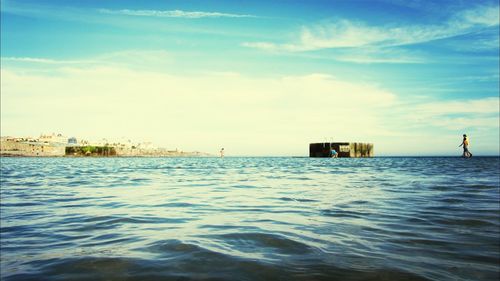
x=250 y=219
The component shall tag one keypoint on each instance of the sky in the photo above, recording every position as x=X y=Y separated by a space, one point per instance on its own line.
x=259 y=78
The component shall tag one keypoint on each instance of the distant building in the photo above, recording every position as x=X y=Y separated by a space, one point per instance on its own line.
x=53 y=138
x=59 y=145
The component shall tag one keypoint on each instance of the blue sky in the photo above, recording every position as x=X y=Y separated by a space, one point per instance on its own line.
x=257 y=77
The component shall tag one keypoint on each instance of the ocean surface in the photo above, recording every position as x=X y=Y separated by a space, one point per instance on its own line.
x=250 y=219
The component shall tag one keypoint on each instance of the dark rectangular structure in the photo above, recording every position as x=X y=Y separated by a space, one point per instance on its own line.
x=344 y=149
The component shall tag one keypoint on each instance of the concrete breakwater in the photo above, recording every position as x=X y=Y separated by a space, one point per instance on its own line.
x=344 y=149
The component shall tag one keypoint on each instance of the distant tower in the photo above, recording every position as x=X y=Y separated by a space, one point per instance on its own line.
x=72 y=140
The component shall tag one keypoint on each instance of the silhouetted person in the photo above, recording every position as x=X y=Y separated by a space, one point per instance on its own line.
x=465 y=144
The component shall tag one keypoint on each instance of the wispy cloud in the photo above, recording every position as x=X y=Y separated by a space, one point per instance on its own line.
x=173 y=14
x=475 y=106
x=39 y=60
x=354 y=34
x=482 y=15
x=382 y=55
x=136 y=58
x=426 y=113
x=367 y=55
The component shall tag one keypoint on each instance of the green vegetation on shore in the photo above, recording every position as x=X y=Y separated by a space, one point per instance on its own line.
x=90 y=150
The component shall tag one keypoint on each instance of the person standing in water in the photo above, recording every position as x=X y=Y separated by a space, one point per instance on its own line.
x=333 y=153
x=222 y=152
x=465 y=144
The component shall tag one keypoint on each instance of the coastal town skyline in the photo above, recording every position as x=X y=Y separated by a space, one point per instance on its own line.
x=256 y=78
x=58 y=145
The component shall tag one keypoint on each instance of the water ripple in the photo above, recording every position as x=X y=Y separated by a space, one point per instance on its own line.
x=249 y=219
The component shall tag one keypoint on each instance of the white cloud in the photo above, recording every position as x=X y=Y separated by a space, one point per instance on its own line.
x=173 y=14
x=352 y=34
x=427 y=119
x=482 y=15
x=247 y=115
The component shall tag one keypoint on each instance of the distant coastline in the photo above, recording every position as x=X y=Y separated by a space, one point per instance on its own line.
x=57 y=145
x=184 y=155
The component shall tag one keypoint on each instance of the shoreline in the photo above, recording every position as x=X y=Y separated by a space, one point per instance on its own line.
x=99 y=156
x=237 y=156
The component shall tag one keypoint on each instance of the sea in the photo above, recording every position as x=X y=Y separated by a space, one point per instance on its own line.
x=250 y=218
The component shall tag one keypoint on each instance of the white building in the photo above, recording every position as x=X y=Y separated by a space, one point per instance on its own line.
x=53 y=138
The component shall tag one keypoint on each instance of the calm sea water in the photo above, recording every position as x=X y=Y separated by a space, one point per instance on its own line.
x=250 y=219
